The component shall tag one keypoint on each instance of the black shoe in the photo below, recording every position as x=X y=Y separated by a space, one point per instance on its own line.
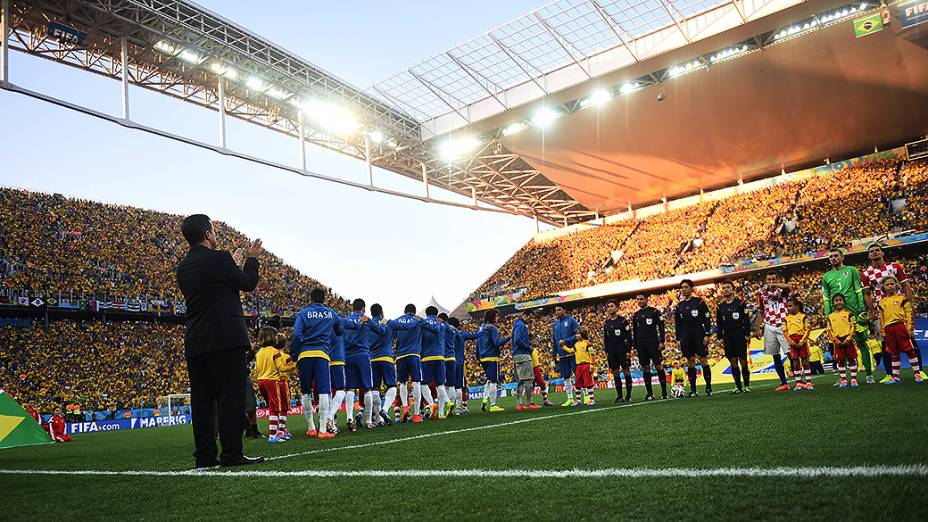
x=664 y=397
x=692 y=394
x=617 y=400
x=243 y=461
x=351 y=425
x=708 y=391
x=207 y=464
x=628 y=398
x=649 y=398
x=386 y=418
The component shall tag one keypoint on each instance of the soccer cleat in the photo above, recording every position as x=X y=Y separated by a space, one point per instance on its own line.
x=385 y=418
x=274 y=440
x=842 y=384
x=923 y=375
x=370 y=425
x=495 y=409
x=809 y=387
x=918 y=377
x=799 y=387
x=836 y=384
x=464 y=410
x=576 y=403
x=736 y=391
x=892 y=380
x=519 y=407
x=359 y=418
x=782 y=387
x=351 y=425
x=870 y=379
x=483 y=405
x=648 y=397
x=548 y=403
x=568 y=402
x=416 y=419
x=449 y=409
x=591 y=402
x=405 y=417
x=663 y=397
x=692 y=394
x=434 y=413
x=747 y=389
x=885 y=379
x=617 y=400
x=708 y=391
x=325 y=435
x=532 y=406
x=311 y=433
x=286 y=436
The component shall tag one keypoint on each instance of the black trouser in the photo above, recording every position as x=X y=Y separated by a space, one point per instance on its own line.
x=217 y=380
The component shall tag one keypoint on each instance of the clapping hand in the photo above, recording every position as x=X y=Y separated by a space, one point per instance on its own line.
x=238 y=256
x=253 y=249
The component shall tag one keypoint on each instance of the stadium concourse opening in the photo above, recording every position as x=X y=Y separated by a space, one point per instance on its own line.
x=729 y=293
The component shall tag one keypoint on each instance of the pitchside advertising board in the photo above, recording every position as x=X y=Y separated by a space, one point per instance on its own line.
x=125 y=424
x=913 y=12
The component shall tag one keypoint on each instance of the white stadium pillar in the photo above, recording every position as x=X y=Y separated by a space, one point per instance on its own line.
x=367 y=159
x=425 y=179
x=124 y=62
x=4 y=44
x=222 y=113
x=299 y=119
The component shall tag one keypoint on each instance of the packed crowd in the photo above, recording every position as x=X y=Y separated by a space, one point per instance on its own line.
x=50 y=244
x=807 y=214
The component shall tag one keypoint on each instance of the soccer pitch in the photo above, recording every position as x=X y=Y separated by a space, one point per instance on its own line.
x=827 y=454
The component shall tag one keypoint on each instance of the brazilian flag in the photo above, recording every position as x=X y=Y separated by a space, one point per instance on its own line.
x=868 y=25
x=18 y=428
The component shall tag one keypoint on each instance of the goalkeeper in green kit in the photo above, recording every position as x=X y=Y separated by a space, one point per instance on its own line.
x=845 y=280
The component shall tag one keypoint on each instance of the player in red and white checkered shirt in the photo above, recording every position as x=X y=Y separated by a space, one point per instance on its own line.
x=871 y=279
x=772 y=301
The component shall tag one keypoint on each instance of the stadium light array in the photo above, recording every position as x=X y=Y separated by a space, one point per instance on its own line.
x=680 y=70
x=191 y=57
x=628 y=88
x=453 y=149
x=376 y=136
x=254 y=83
x=167 y=47
x=600 y=97
x=544 y=117
x=220 y=69
x=277 y=93
x=330 y=117
x=728 y=53
x=513 y=128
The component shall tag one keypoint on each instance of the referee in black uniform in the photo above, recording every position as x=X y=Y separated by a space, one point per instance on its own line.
x=734 y=330
x=693 y=322
x=617 y=337
x=648 y=337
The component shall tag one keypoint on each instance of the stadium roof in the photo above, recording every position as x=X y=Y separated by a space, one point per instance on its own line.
x=452 y=120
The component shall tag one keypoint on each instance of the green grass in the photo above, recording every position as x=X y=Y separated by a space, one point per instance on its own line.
x=875 y=425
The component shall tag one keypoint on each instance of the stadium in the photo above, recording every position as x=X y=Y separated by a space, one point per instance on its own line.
x=683 y=245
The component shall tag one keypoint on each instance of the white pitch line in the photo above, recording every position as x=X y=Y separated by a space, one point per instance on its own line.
x=465 y=430
x=911 y=470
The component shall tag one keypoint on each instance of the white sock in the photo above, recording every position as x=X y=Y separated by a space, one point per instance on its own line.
x=324 y=400
x=375 y=411
x=335 y=404
x=569 y=388
x=486 y=391
x=427 y=395
x=492 y=394
x=404 y=395
x=368 y=406
x=390 y=397
x=416 y=397
x=349 y=405
x=307 y=402
x=442 y=400
x=458 y=398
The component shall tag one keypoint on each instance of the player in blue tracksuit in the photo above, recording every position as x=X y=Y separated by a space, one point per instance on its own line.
x=310 y=346
x=460 y=404
x=433 y=361
x=408 y=353
x=382 y=367
x=522 y=357
x=337 y=373
x=358 y=362
x=564 y=334
x=451 y=334
x=488 y=348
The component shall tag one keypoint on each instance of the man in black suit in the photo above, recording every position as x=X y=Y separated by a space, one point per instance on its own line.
x=216 y=341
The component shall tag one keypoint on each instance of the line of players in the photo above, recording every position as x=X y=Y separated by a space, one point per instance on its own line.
x=357 y=352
